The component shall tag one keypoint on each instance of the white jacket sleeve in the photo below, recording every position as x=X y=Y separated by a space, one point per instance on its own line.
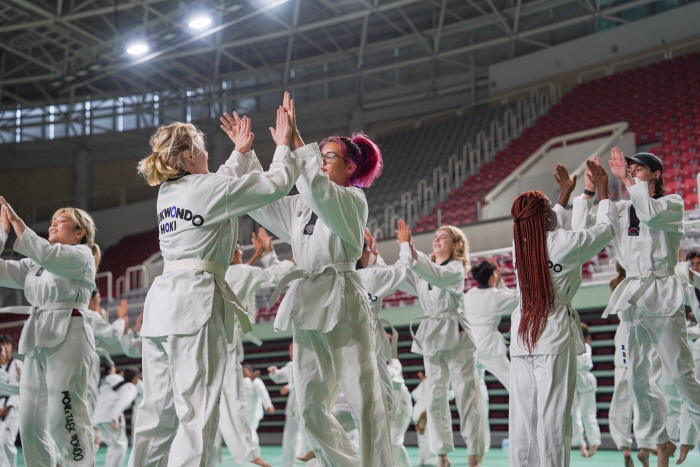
x=69 y=261
x=342 y=209
x=449 y=277
x=507 y=300
x=256 y=189
x=131 y=345
x=665 y=213
x=563 y=215
x=263 y=395
x=12 y=272
x=388 y=279
x=581 y=217
x=280 y=376
x=126 y=395
x=239 y=164
x=591 y=241
x=105 y=332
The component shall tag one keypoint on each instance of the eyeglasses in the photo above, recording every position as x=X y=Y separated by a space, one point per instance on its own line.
x=328 y=157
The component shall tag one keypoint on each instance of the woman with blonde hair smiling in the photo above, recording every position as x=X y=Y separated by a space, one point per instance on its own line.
x=188 y=317
x=58 y=277
x=445 y=340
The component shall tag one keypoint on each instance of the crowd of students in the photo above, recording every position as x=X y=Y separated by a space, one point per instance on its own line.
x=348 y=403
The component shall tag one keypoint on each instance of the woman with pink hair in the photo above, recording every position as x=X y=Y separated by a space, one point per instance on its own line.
x=326 y=302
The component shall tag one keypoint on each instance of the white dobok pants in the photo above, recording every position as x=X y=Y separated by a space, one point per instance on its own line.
x=498 y=366
x=342 y=359
x=668 y=336
x=182 y=378
x=400 y=419
x=540 y=410
x=116 y=442
x=54 y=401
x=233 y=422
x=8 y=436
x=294 y=442
x=689 y=435
x=585 y=417
x=381 y=345
x=459 y=367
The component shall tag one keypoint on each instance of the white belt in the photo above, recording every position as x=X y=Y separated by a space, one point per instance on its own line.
x=562 y=300
x=439 y=316
x=219 y=273
x=647 y=280
x=27 y=341
x=394 y=337
x=330 y=270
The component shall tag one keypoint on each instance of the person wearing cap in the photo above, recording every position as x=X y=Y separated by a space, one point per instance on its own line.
x=649 y=301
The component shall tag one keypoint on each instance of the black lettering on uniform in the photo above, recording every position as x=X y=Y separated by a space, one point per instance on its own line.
x=197 y=220
x=180 y=213
x=557 y=268
x=188 y=215
x=40 y=272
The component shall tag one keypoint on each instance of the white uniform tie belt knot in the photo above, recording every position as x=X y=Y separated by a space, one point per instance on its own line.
x=27 y=341
x=439 y=316
x=331 y=269
x=647 y=279
x=219 y=273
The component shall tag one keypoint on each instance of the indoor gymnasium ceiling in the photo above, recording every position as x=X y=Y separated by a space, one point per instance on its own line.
x=61 y=51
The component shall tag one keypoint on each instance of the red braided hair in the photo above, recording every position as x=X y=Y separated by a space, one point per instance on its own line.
x=529 y=212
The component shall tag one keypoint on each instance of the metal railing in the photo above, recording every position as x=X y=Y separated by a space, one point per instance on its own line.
x=616 y=130
x=474 y=154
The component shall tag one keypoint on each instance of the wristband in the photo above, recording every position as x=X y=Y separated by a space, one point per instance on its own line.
x=588 y=192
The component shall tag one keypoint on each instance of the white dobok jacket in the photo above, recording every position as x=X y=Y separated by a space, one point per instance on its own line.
x=197 y=221
x=56 y=280
x=257 y=398
x=567 y=250
x=111 y=402
x=484 y=308
x=654 y=249
x=440 y=292
x=585 y=380
x=326 y=283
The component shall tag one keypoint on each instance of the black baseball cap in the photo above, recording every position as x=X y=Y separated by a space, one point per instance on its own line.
x=648 y=159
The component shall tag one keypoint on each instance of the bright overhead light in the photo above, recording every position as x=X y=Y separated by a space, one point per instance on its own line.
x=137 y=48
x=199 y=22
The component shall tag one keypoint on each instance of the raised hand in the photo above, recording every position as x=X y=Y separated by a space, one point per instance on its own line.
x=265 y=239
x=590 y=186
x=122 y=309
x=371 y=242
x=403 y=234
x=618 y=166
x=282 y=133
x=4 y=220
x=566 y=183
x=290 y=108
x=11 y=216
x=599 y=177
x=138 y=323
x=257 y=244
x=230 y=125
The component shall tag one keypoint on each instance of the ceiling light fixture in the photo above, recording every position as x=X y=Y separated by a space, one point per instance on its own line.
x=199 y=22
x=137 y=48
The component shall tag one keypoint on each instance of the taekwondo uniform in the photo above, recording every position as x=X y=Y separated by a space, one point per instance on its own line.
x=257 y=402
x=540 y=411
x=116 y=396
x=380 y=281
x=294 y=442
x=58 y=344
x=446 y=341
x=400 y=415
x=234 y=424
x=425 y=457
x=9 y=426
x=188 y=315
x=329 y=310
x=689 y=435
x=650 y=302
x=484 y=308
x=584 y=411
x=105 y=334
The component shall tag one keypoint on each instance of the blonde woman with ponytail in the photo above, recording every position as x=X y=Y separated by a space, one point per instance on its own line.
x=189 y=314
x=445 y=340
x=57 y=276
